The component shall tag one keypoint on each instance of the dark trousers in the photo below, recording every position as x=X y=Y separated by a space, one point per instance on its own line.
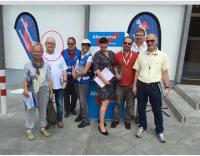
x=154 y=93
x=70 y=103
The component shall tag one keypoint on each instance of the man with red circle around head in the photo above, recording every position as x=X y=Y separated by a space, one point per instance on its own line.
x=58 y=75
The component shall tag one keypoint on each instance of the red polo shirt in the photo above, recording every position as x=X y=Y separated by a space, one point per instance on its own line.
x=128 y=72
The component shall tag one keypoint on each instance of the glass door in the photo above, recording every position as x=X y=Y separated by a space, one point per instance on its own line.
x=191 y=68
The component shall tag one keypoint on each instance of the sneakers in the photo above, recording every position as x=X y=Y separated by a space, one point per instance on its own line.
x=83 y=124
x=161 y=138
x=140 y=132
x=78 y=118
x=60 y=124
x=114 y=124
x=127 y=125
x=30 y=136
x=45 y=133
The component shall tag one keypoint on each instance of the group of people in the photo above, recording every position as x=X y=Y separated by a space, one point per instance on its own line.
x=138 y=69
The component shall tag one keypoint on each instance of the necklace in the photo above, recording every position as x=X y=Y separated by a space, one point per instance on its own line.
x=127 y=62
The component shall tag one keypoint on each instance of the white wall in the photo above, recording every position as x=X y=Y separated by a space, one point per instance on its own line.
x=67 y=20
x=117 y=18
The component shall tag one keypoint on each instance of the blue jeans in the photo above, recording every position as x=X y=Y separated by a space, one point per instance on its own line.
x=59 y=95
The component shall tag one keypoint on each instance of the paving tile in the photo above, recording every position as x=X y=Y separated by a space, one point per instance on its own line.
x=191 y=141
x=149 y=147
x=100 y=149
x=12 y=152
x=184 y=150
x=119 y=146
x=19 y=144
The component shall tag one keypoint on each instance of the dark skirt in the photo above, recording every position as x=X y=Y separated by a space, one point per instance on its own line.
x=108 y=91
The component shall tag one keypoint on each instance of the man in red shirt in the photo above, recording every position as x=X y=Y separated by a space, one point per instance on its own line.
x=125 y=60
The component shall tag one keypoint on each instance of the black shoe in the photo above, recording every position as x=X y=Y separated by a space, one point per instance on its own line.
x=136 y=120
x=127 y=125
x=104 y=123
x=78 y=118
x=83 y=124
x=104 y=133
x=73 y=112
x=114 y=124
x=67 y=114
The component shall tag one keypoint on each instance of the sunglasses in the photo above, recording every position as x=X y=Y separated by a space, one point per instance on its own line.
x=150 y=41
x=70 y=43
x=127 y=43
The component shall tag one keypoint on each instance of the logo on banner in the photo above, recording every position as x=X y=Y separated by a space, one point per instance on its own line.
x=115 y=39
x=27 y=31
x=148 y=22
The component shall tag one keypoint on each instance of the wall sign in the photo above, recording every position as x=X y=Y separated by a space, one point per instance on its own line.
x=115 y=39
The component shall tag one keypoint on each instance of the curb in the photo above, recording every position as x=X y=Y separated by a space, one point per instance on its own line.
x=193 y=102
x=175 y=109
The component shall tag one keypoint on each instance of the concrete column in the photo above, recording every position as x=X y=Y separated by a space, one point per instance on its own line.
x=2 y=54
x=183 y=43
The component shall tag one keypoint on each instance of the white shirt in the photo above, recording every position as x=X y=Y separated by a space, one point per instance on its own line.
x=58 y=66
x=142 y=49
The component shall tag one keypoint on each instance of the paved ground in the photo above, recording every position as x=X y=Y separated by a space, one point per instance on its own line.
x=181 y=138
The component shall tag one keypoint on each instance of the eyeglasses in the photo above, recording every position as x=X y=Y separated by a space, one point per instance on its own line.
x=127 y=43
x=150 y=41
x=70 y=43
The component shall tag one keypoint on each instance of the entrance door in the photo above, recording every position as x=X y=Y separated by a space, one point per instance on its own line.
x=191 y=68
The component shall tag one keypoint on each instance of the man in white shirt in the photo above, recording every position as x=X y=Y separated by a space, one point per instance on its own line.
x=139 y=46
x=58 y=75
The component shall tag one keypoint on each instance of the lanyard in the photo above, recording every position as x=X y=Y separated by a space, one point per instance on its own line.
x=127 y=62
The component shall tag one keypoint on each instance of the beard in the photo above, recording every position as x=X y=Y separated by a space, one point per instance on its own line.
x=126 y=48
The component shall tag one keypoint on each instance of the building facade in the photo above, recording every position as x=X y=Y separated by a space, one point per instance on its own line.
x=179 y=31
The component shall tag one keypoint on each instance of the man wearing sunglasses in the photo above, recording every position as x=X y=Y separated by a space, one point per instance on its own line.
x=70 y=55
x=151 y=67
x=125 y=60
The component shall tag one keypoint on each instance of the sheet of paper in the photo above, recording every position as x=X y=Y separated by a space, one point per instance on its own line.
x=108 y=76
x=99 y=82
x=29 y=102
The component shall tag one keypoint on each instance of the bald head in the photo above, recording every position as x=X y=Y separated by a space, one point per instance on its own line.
x=50 y=39
x=151 y=41
x=50 y=44
x=152 y=36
